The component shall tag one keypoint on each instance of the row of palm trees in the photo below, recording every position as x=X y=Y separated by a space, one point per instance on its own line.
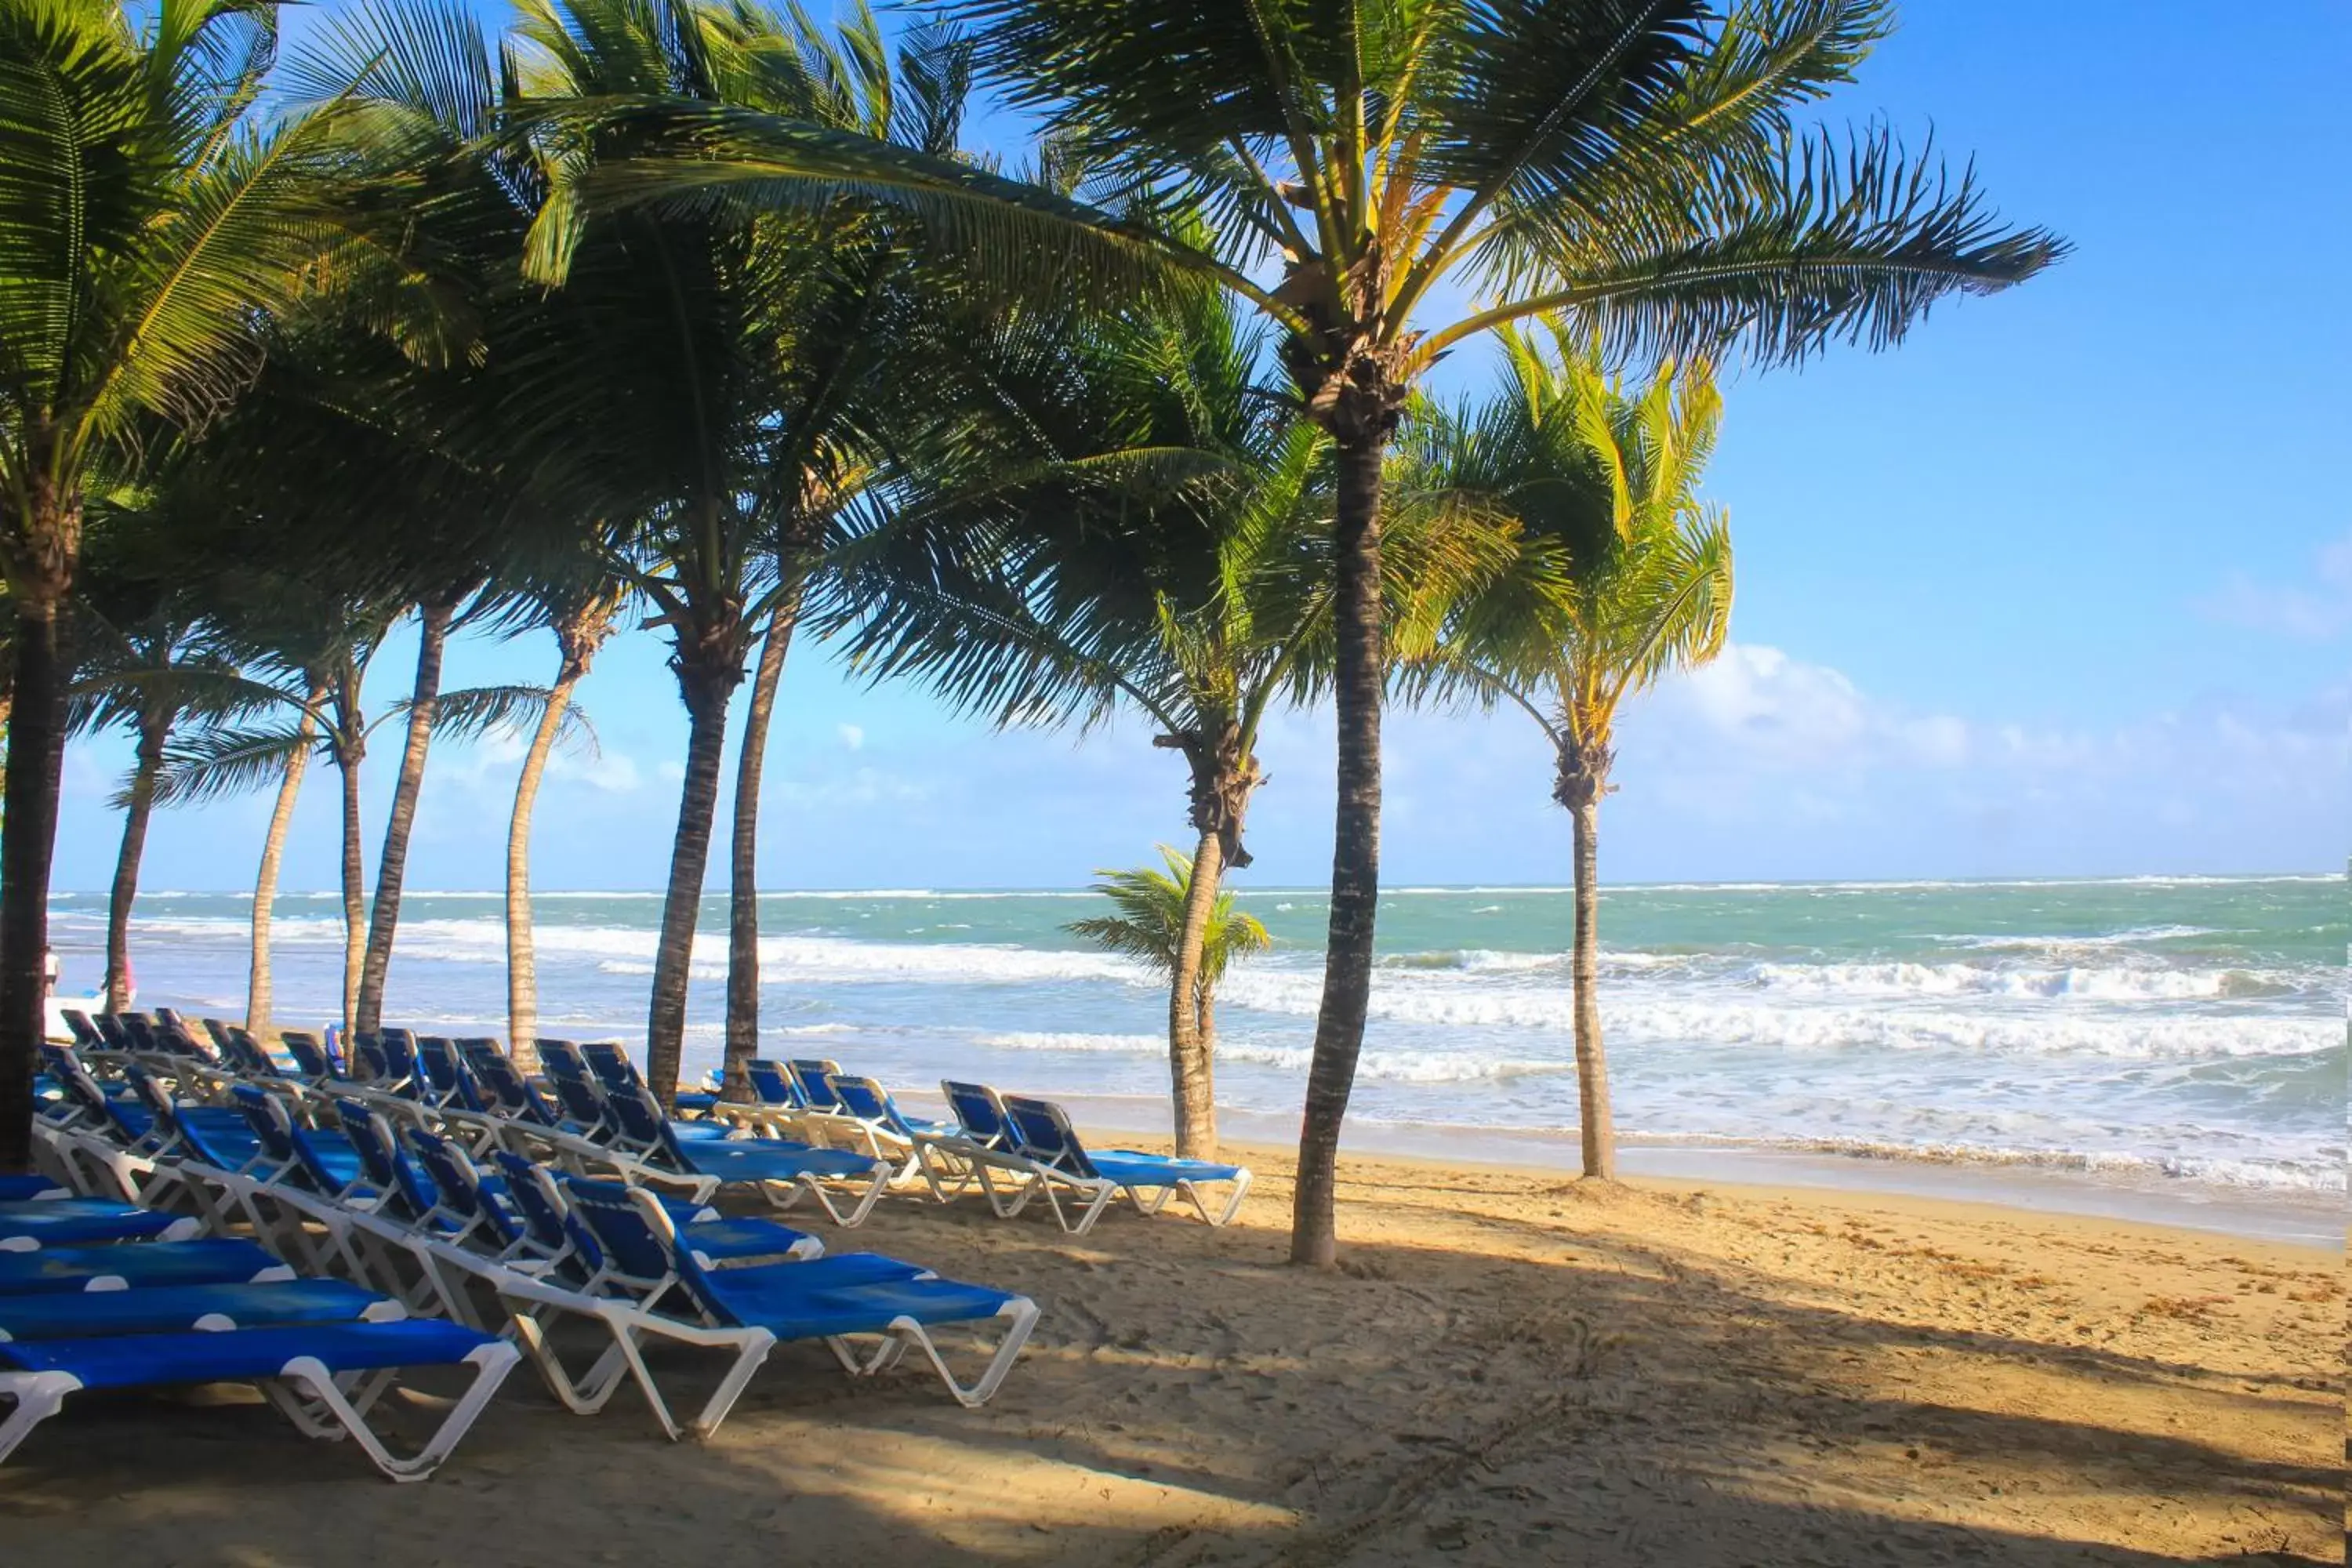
x=696 y=308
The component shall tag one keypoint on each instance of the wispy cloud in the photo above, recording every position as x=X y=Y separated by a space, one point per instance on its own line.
x=2318 y=611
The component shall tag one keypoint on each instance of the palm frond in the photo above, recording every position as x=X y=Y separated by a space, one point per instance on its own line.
x=212 y=764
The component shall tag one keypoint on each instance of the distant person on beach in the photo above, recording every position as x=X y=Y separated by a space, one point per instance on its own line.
x=48 y=973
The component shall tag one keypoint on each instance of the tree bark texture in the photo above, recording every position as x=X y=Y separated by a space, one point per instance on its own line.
x=392 y=865
x=349 y=751
x=1599 y=1134
x=139 y=806
x=1190 y=1066
x=37 y=749
x=578 y=638
x=744 y=857
x=258 y=999
x=1356 y=837
x=42 y=547
x=705 y=681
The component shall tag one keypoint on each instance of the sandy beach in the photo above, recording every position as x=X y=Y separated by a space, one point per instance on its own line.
x=1511 y=1368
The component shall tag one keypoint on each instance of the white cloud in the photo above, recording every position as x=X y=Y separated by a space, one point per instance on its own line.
x=2319 y=611
x=1758 y=708
x=852 y=738
x=615 y=772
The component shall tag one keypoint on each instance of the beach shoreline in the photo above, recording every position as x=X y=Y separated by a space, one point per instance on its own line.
x=1506 y=1367
x=2315 y=1223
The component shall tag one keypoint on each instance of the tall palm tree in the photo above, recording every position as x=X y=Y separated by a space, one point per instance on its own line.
x=1370 y=165
x=747 y=367
x=436 y=612
x=580 y=611
x=1122 y=515
x=1155 y=922
x=1622 y=576
x=149 y=214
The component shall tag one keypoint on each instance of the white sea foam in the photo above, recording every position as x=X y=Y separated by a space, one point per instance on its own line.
x=2102 y=982
x=1393 y=1066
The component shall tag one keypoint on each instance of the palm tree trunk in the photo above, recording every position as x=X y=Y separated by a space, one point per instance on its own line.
x=522 y=955
x=1599 y=1135
x=1191 y=1071
x=36 y=751
x=743 y=860
x=706 y=684
x=392 y=864
x=139 y=806
x=351 y=751
x=258 y=998
x=1355 y=847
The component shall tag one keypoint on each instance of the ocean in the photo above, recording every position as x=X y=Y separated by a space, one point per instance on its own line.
x=2185 y=1033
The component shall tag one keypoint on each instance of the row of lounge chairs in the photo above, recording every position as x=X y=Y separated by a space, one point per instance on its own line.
x=367 y=1183
x=97 y=1295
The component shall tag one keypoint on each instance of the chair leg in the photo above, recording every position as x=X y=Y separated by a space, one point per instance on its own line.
x=37 y=1395
x=1023 y=1315
x=491 y=1363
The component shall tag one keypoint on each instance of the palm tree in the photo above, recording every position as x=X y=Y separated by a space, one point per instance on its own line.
x=436 y=614
x=1622 y=576
x=1120 y=514
x=1156 y=923
x=745 y=370
x=148 y=661
x=1634 y=164
x=148 y=214
x=580 y=611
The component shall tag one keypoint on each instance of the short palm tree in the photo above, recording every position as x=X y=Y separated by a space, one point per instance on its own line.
x=1366 y=164
x=149 y=216
x=148 y=661
x=1621 y=576
x=1155 y=922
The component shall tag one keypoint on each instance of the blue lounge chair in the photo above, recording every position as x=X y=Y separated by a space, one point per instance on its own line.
x=919 y=1147
x=311 y=1062
x=785 y=1172
x=213 y=1261
x=616 y=1072
x=184 y=1309
x=1046 y=1138
x=838 y=1300
x=815 y=1076
x=289 y=1154
x=22 y=1189
x=545 y=1206
x=39 y=1223
x=511 y=1095
x=302 y=1370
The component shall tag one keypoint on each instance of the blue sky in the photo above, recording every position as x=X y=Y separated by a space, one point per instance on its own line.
x=2063 y=587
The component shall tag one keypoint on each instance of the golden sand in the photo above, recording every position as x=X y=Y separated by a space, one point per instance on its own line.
x=1511 y=1369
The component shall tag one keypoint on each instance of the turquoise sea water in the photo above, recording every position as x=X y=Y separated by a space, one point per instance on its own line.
x=2182 y=1029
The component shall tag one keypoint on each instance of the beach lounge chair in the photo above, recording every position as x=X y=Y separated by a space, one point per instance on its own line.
x=511 y=1095
x=303 y=1370
x=218 y=1260
x=39 y=1222
x=919 y=1147
x=1044 y=1135
x=289 y=1152
x=23 y=1189
x=839 y=1300
x=311 y=1063
x=185 y=1308
x=784 y=1171
x=543 y=1201
x=815 y=1076
x=616 y=1072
